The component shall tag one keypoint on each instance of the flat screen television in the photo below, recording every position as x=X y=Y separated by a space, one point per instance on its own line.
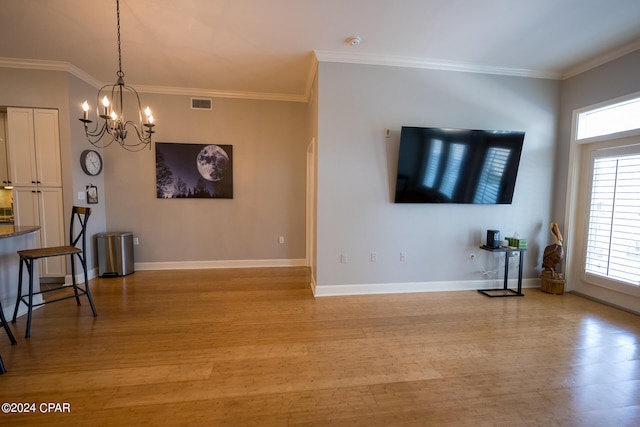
x=444 y=165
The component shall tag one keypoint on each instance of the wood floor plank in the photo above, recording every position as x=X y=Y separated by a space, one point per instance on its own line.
x=253 y=347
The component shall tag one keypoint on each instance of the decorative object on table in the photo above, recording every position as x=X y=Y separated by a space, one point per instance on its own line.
x=552 y=280
x=92 y=194
x=91 y=162
x=493 y=238
x=114 y=125
x=194 y=171
x=516 y=242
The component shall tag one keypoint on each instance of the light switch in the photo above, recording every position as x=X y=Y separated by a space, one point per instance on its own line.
x=81 y=195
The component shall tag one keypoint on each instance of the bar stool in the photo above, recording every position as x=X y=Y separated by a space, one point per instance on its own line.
x=9 y=333
x=28 y=257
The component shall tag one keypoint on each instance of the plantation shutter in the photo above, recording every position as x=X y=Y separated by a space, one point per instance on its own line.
x=613 y=237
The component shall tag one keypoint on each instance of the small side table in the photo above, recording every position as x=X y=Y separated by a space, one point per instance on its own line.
x=505 y=291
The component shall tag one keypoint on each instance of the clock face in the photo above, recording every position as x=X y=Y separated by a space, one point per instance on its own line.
x=91 y=162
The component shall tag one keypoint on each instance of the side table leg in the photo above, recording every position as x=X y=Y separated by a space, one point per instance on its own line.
x=520 y=265
x=506 y=270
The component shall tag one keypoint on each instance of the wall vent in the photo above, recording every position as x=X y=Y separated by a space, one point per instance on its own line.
x=201 y=104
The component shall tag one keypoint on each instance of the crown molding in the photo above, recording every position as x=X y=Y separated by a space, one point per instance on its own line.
x=431 y=64
x=264 y=96
x=602 y=59
x=34 y=64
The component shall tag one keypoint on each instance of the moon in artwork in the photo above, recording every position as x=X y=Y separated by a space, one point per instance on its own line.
x=212 y=163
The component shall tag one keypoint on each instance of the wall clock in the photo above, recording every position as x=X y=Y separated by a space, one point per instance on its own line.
x=91 y=162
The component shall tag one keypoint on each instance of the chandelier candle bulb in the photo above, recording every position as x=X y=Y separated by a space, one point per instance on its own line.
x=105 y=102
x=85 y=109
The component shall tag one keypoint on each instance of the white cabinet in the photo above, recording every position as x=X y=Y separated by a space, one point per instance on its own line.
x=33 y=149
x=43 y=206
x=33 y=145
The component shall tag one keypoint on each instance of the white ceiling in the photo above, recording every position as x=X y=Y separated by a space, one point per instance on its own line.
x=252 y=47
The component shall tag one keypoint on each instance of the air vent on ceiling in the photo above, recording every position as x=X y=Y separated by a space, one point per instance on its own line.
x=201 y=104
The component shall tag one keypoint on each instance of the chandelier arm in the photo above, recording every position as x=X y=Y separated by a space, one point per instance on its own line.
x=95 y=139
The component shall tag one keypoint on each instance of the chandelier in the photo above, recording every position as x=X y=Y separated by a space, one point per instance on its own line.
x=114 y=126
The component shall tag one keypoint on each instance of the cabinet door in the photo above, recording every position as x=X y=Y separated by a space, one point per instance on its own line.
x=21 y=146
x=4 y=171
x=43 y=207
x=47 y=147
x=52 y=230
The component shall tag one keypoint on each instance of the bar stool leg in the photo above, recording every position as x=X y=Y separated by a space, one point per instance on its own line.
x=2 y=368
x=19 y=297
x=30 y=308
x=86 y=285
x=6 y=327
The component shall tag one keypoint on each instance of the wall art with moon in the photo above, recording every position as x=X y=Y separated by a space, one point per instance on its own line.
x=194 y=171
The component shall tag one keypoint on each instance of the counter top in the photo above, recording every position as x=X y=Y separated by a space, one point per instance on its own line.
x=10 y=230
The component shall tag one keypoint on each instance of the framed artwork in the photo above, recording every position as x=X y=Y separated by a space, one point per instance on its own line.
x=92 y=194
x=194 y=171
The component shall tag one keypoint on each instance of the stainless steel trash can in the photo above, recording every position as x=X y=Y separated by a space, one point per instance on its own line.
x=115 y=254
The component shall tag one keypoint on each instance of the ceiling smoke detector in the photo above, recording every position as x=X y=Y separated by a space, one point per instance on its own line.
x=354 y=41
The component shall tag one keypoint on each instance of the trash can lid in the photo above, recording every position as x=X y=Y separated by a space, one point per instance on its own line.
x=115 y=233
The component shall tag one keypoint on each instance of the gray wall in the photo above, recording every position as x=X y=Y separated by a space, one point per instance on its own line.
x=269 y=141
x=357 y=166
x=611 y=80
x=606 y=82
x=269 y=144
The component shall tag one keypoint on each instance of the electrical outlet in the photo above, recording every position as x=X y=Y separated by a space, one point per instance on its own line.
x=343 y=258
x=136 y=241
x=374 y=257
x=81 y=195
x=403 y=256
x=281 y=239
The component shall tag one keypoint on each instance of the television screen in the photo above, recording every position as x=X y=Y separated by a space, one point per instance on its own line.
x=442 y=165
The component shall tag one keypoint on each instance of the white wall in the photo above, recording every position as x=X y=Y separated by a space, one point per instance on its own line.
x=357 y=167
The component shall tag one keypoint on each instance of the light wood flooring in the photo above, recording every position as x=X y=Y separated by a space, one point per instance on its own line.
x=253 y=347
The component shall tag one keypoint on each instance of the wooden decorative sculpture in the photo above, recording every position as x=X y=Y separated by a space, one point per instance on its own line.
x=552 y=280
x=553 y=254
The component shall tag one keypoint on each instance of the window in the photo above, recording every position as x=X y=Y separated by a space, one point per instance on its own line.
x=618 y=117
x=613 y=232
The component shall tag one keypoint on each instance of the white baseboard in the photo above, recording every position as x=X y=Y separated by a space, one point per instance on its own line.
x=22 y=310
x=412 y=287
x=192 y=265
x=91 y=273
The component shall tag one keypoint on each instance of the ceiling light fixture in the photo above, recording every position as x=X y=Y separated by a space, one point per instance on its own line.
x=114 y=124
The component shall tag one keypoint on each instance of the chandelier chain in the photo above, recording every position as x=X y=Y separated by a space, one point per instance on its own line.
x=119 y=73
